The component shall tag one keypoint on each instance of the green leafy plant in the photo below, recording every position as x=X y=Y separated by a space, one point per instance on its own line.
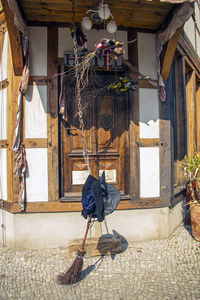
x=192 y=175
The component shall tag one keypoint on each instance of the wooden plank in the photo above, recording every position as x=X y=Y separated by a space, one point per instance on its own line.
x=180 y=119
x=149 y=142
x=83 y=5
x=15 y=42
x=134 y=121
x=12 y=106
x=104 y=245
x=169 y=54
x=165 y=129
x=126 y=147
x=56 y=206
x=150 y=203
x=198 y=113
x=36 y=143
x=38 y=80
x=134 y=22
x=142 y=14
x=187 y=50
x=191 y=107
x=52 y=118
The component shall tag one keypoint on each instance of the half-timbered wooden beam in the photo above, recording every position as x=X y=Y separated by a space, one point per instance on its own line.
x=70 y=206
x=134 y=166
x=169 y=54
x=52 y=118
x=12 y=106
x=15 y=42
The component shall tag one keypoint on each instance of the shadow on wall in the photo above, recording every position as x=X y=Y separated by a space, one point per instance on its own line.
x=115 y=244
x=39 y=95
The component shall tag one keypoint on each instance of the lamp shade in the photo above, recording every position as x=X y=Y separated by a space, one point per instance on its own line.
x=111 y=27
x=104 y=11
x=86 y=23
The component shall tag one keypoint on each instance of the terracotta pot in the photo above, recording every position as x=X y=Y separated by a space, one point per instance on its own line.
x=195 y=221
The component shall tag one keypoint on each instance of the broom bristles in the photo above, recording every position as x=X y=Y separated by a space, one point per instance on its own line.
x=71 y=275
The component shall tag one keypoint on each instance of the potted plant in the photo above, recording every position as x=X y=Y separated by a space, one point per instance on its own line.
x=192 y=174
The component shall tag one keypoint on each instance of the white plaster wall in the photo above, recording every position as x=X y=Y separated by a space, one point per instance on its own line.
x=3 y=174
x=197 y=14
x=7 y=236
x=189 y=29
x=36 y=112
x=198 y=45
x=38 y=50
x=149 y=172
x=197 y=18
x=147 y=54
x=4 y=60
x=46 y=230
x=93 y=36
x=37 y=178
x=148 y=113
x=140 y=224
x=3 y=114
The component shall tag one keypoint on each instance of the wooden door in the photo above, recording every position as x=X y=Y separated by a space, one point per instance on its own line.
x=106 y=134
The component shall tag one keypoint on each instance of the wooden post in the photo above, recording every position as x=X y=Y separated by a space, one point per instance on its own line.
x=169 y=54
x=134 y=123
x=166 y=192
x=52 y=118
x=180 y=117
x=198 y=113
x=12 y=98
x=15 y=41
x=191 y=112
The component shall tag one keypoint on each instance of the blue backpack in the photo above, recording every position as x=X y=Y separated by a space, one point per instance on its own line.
x=88 y=204
x=101 y=201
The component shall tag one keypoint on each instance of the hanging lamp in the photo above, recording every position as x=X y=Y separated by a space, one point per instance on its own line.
x=103 y=12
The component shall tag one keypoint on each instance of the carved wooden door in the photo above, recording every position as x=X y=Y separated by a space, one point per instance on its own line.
x=106 y=133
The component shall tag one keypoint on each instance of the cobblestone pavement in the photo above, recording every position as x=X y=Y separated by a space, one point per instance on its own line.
x=165 y=269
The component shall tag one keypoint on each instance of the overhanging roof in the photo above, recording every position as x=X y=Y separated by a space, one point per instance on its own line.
x=127 y=13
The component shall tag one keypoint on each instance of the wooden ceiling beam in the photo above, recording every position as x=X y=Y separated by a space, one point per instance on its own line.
x=81 y=6
x=169 y=54
x=129 y=13
x=67 y=20
x=15 y=41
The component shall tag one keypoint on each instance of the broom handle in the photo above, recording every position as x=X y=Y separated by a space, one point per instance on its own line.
x=88 y=226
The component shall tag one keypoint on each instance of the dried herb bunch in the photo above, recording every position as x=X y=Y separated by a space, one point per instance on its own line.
x=192 y=174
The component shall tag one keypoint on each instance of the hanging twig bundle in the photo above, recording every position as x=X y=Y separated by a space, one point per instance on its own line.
x=104 y=47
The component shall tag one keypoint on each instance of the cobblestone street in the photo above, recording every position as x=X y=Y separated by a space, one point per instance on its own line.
x=166 y=269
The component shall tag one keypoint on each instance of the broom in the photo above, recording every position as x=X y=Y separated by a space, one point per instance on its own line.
x=71 y=275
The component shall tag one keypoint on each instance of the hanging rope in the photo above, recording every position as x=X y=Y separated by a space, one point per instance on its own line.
x=78 y=93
